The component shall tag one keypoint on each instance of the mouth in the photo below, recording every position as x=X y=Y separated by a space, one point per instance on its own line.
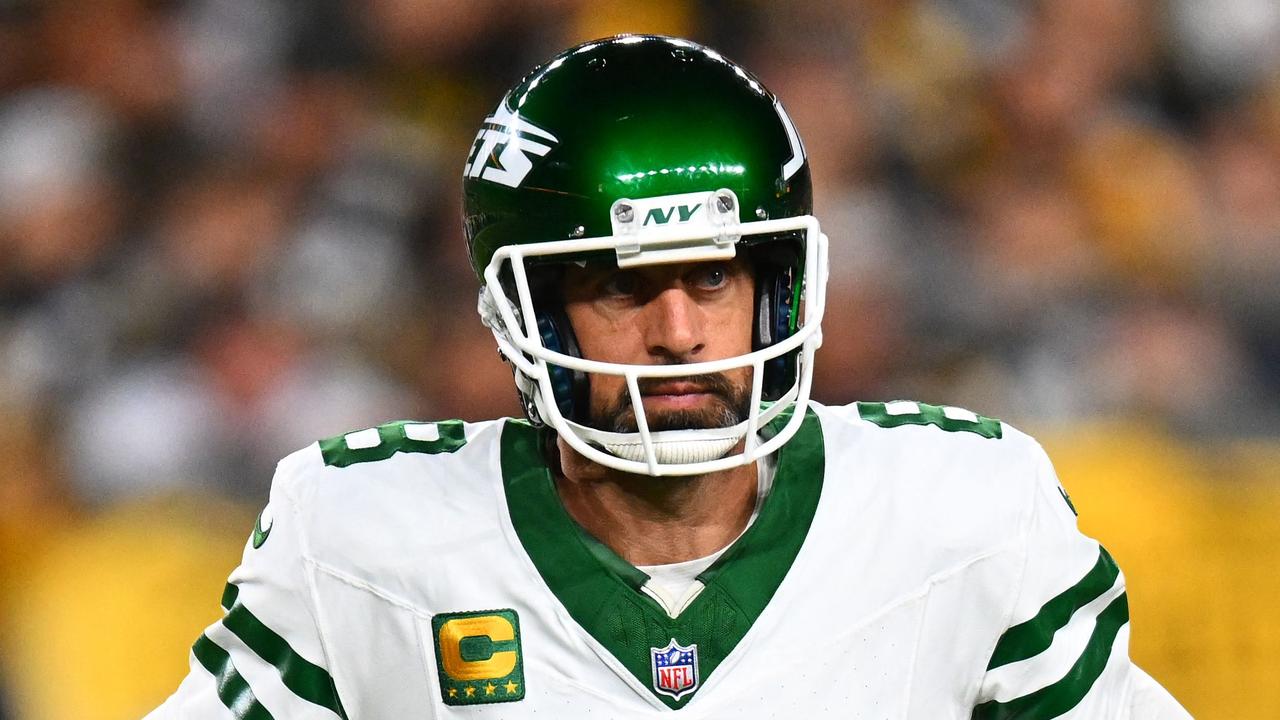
x=680 y=403
x=687 y=401
x=679 y=394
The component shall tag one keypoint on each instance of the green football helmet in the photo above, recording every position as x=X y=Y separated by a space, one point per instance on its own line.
x=645 y=150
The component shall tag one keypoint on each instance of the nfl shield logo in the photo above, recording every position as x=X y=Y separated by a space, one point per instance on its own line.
x=675 y=669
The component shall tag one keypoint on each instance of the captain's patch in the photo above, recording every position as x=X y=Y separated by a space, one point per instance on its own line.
x=478 y=657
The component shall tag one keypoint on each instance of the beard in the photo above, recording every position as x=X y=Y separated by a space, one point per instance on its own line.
x=730 y=404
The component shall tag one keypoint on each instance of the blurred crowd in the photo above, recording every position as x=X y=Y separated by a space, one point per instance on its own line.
x=231 y=227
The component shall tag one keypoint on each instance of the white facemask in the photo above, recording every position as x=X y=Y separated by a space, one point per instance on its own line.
x=701 y=227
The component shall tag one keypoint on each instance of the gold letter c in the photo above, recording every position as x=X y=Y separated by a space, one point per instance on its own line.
x=496 y=628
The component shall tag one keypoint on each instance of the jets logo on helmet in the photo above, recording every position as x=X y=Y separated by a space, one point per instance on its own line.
x=502 y=149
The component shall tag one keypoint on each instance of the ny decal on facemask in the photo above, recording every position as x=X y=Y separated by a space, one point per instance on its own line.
x=662 y=216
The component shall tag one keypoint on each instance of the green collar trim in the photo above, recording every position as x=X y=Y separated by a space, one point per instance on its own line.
x=601 y=591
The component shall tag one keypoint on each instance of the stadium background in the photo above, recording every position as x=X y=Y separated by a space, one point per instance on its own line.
x=230 y=227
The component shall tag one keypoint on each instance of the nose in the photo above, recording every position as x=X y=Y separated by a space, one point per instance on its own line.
x=674 y=326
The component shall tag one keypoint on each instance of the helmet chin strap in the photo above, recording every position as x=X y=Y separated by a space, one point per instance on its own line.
x=670 y=446
x=680 y=446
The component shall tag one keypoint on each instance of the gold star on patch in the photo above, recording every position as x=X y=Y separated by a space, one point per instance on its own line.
x=489 y=688
x=453 y=692
x=470 y=691
x=511 y=687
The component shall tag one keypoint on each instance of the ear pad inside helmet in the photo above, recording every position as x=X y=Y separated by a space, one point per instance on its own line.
x=775 y=285
x=570 y=387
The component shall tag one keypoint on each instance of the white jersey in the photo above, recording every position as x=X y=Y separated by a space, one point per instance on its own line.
x=909 y=561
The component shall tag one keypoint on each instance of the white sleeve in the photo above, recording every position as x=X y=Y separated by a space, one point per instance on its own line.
x=1151 y=701
x=264 y=658
x=1065 y=652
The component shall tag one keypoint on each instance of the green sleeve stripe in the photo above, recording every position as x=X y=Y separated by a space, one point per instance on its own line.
x=306 y=679
x=229 y=595
x=1034 y=636
x=233 y=691
x=1057 y=699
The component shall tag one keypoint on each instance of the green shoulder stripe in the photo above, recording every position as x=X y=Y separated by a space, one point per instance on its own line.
x=233 y=691
x=908 y=412
x=384 y=441
x=1057 y=699
x=306 y=679
x=1030 y=638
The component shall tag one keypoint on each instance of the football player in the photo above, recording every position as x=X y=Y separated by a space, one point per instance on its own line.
x=675 y=526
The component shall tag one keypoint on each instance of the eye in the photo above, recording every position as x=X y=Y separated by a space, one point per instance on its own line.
x=712 y=277
x=620 y=283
